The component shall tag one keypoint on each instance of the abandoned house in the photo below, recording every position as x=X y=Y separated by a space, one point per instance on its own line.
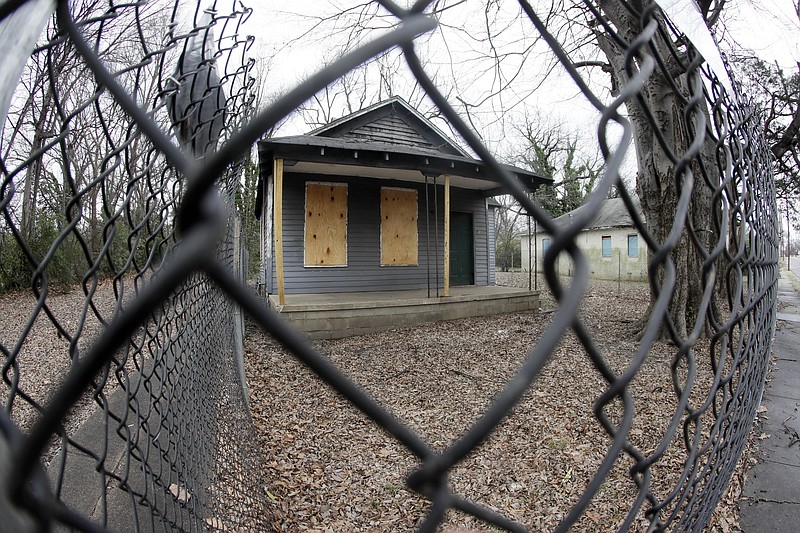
x=613 y=246
x=378 y=219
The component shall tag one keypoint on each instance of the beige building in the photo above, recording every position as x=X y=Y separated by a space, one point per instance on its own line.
x=613 y=247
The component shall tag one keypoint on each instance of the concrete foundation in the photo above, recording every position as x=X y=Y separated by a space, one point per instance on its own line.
x=333 y=316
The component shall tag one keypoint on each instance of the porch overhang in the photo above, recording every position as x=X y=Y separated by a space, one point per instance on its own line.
x=335 y=156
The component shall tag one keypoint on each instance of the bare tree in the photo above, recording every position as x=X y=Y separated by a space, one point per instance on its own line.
x=497 y=62
x=73 y=153
x=776 y=92
x=380 y=78
x=508 y=219
x=474 y=68
x=547 y=147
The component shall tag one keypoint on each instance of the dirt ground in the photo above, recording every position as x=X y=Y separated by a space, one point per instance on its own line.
x=330 y=469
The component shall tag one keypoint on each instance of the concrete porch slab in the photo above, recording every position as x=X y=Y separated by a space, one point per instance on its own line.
x=337 y=315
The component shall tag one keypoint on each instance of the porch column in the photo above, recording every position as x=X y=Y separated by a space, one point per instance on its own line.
x=277 y=172
x=446 y=235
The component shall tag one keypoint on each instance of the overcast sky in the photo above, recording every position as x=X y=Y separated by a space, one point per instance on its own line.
x=769 y=27
x=453 y=57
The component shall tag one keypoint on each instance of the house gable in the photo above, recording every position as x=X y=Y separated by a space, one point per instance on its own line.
x=392 y=122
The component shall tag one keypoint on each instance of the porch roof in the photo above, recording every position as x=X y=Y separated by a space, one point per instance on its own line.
x=381 y=160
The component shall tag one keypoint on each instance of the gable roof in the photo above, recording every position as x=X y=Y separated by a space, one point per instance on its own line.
x=367 y=144
x=391 y=121
x=612 y=214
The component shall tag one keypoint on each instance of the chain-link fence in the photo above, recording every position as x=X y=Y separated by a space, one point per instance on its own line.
x=125 y=136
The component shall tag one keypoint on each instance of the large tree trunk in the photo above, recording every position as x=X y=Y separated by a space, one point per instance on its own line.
x=33 y=174
x=661 y=182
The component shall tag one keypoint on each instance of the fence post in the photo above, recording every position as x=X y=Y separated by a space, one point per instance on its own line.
x=238 y=316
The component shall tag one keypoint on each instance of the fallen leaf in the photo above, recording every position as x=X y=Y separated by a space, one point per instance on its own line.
x=179 y=493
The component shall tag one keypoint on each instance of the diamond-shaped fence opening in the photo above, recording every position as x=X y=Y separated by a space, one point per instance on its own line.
x=127 y=128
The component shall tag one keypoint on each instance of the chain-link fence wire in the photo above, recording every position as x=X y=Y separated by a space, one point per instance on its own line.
x=169 y=425
x=123 y=145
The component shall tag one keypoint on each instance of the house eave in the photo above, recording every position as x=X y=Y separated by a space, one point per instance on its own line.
x=378 y=160
x=596 y=228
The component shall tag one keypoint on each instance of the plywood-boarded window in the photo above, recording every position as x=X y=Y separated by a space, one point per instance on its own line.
x=326 y=225
x=399 y=239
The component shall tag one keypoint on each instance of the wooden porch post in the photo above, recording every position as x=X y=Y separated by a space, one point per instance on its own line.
x=447 y=235
x=277 y=173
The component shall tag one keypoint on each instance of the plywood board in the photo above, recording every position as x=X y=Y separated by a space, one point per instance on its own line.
x=326 y=225
x=399 y=227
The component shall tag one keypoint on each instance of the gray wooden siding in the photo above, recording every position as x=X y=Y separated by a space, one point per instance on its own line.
x=363 y=271
x=390 y=129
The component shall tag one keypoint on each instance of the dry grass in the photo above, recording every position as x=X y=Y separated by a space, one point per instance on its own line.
x=330 y=469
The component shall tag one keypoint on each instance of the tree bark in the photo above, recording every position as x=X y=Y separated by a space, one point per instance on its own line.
x=33 y=173
x=661 y=180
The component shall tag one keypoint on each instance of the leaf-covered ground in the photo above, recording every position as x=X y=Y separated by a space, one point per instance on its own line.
x=42 y=352
x=330 y=469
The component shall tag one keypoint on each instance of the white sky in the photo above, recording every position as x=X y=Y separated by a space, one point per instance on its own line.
x=768 y=27
x=292 y=63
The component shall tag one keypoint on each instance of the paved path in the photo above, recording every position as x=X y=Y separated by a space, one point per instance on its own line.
x=772 y=488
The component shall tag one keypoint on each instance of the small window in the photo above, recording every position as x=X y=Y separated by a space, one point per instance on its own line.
x=606 y=245
x=545 y=245
x=633 y=246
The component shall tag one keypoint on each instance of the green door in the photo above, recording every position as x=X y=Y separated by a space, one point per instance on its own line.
x=461 y=259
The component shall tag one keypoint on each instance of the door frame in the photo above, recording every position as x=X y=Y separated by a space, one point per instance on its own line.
x=470 y=217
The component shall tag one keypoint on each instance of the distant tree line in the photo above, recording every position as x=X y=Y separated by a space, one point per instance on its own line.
x=85 y=193
x=76 y=171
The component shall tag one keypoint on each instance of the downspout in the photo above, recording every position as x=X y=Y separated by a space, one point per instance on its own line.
x=530 y=256
x=278 y=210
x=535 y=255
x=268 y=238
x=446 y=236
